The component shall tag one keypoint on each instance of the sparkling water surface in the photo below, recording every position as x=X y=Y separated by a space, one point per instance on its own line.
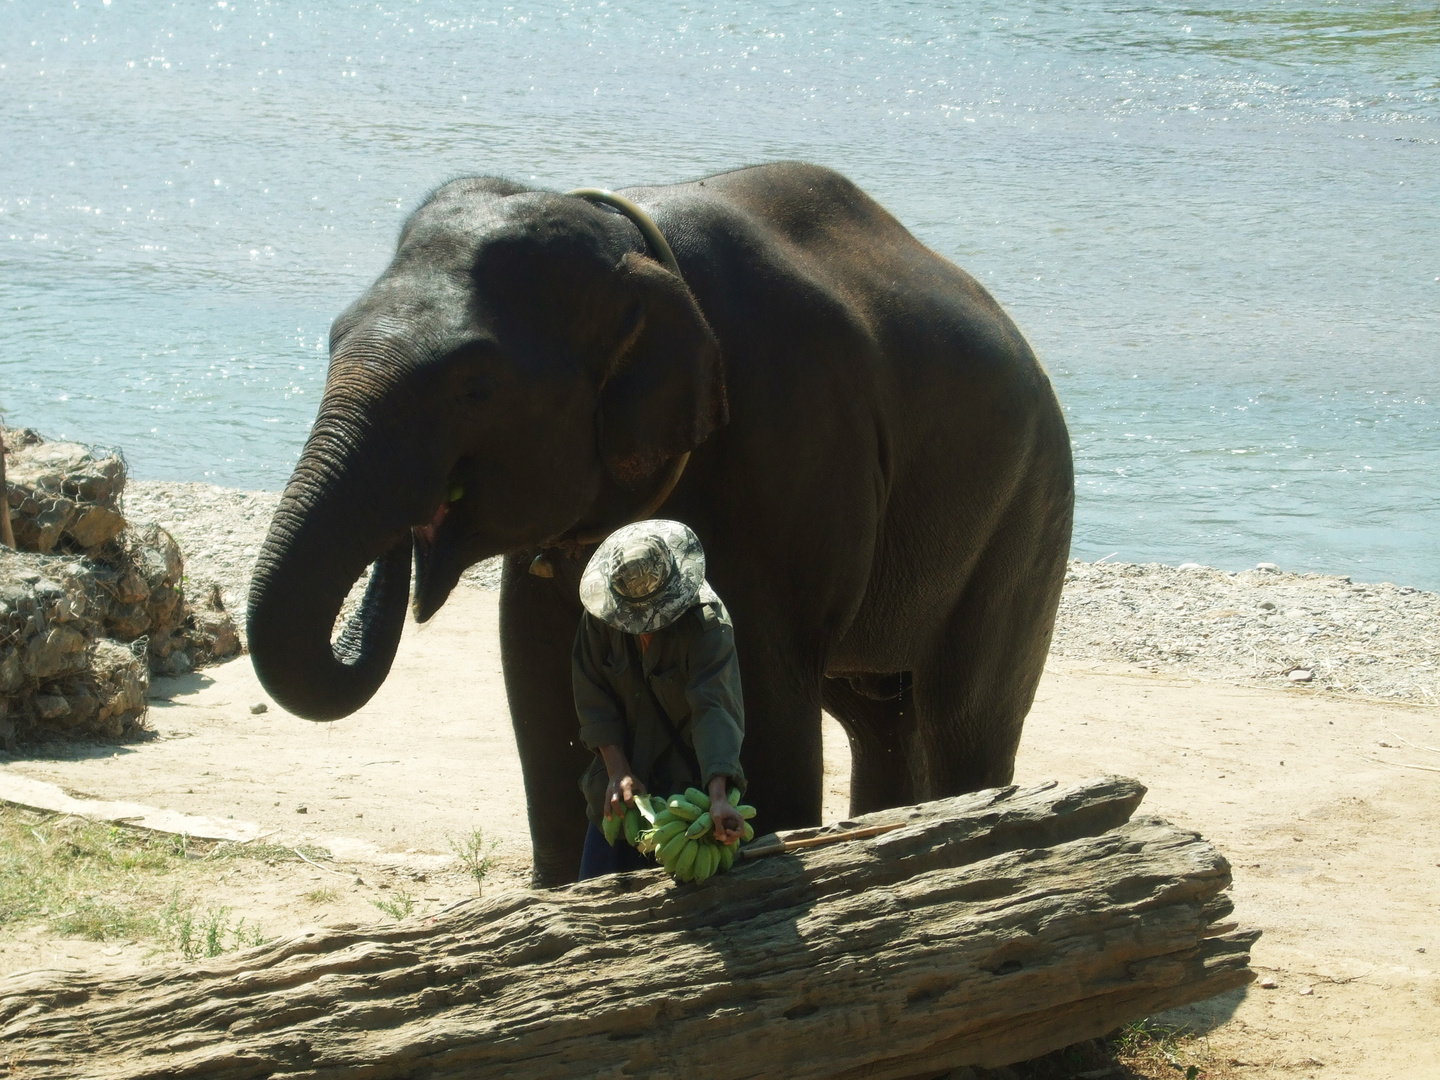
x=1218 y=225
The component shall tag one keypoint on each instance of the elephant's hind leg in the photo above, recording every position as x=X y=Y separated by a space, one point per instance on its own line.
x=973 y=693
x=878 y=715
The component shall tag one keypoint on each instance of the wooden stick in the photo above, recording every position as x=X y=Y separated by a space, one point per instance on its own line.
x=7 y=534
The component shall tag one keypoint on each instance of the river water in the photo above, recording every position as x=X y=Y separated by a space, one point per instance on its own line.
x=1218 y=225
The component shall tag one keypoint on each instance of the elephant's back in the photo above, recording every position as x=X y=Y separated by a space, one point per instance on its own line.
x=864 y=366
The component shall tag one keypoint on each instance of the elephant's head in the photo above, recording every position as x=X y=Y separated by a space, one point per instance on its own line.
x=520 y=370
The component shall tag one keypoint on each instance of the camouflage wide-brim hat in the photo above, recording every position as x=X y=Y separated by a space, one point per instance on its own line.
x=644 y=576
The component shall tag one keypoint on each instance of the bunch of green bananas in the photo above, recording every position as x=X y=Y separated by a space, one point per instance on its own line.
x=680 y=833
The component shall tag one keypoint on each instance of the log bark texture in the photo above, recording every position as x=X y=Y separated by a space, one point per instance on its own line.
x=992 y=928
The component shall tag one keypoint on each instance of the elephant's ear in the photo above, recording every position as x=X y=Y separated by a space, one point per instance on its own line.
x=664 y=392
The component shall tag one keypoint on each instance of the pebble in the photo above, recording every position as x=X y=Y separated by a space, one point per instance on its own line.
x=1196 y=621
x=258 y=708
x=1254 y=626
x=1267 y=983
x=1301 y=675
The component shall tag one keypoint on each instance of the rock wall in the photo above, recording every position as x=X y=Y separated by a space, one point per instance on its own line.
x=90 y=606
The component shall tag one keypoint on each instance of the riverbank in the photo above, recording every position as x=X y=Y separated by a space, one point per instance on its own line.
x=1323 y=804
x=1261 y=626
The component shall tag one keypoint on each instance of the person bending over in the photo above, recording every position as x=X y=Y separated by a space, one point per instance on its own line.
x=657 y=685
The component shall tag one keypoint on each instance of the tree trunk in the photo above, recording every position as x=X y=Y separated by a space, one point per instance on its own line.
x=7 y=533
x=991 y=928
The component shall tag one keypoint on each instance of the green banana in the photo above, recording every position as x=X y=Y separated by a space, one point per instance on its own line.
x=633 y=824
x=686 y=863
x=611 y=827
x=700 y=826
x=668 y=851
x=666 y=832
x=682 y=807
x=746 y=812
x=647 y=811
x=702 y=864
x=712 y=859
x=727 y=856
x=665 y=817
x=698 y=797
x=734 y=796
x=747 y=832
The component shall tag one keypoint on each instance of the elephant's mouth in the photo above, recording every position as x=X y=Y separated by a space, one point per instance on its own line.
x=433 y=542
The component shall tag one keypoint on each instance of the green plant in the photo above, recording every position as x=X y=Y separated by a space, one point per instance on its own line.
x=475 y=855
x=398 y=908
x=195 y=934
x=321 y=896
x=1148 y=1048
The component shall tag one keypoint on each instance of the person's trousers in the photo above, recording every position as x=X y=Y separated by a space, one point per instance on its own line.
x=600 y=858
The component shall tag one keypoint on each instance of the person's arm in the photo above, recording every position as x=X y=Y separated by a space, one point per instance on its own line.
x=602 y=718
x=717 y=721
x=624 y=784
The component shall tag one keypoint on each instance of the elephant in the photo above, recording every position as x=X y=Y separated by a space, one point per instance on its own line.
x=872 y=456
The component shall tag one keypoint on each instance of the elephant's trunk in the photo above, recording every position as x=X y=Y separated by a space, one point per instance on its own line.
x=325 y=532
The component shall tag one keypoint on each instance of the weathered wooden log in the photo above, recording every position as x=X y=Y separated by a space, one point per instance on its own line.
x=993 y=927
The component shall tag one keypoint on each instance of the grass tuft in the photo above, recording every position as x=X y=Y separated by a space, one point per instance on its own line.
x=399 y=907
x=475 y=855
x=102 y=882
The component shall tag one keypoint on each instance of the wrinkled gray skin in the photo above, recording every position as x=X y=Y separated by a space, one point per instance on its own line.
x=880 y=475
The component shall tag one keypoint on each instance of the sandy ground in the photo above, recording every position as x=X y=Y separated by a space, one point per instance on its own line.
x=1335 y=842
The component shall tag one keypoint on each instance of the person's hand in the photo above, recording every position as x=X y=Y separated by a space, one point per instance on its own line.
x=621 y=793
x=726 y=817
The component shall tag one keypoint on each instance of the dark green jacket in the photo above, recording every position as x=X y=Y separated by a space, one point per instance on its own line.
x=677 y=710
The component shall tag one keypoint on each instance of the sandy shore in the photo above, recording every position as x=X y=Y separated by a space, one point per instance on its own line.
x=1323 y=799
x=1324 y=804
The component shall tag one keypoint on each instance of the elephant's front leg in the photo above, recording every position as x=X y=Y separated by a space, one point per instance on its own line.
x=538 y=617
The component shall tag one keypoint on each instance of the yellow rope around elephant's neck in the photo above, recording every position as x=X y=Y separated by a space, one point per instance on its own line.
x=541 y=566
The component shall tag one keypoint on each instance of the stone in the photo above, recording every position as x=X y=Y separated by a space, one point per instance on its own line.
x=51 y=706
x=132 y=587
x=12 y=675
x=49 y=654
x=1267 y=567
x=63 y=494
x=214 y=634
x=1267 y=983
x=96 y=526
x=1301 y=675
x=258 y=708
x=39 y=521
x=127 y=622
